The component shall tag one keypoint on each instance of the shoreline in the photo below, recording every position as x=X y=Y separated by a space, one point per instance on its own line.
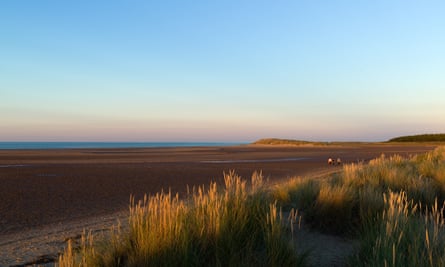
x=62 y=187
x=43 y=244
x=107 y=145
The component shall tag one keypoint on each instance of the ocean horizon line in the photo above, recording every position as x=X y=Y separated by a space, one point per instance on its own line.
x=16 y=145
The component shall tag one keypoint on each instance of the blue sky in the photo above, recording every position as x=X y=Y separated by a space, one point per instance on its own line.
x=220 y=70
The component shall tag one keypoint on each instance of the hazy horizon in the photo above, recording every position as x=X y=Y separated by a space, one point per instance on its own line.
x=221 y=72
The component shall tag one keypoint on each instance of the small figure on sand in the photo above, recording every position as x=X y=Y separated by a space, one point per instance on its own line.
x=331 y=161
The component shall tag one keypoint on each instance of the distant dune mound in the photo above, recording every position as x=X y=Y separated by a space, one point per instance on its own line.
x=277 y=141
x=420 y=138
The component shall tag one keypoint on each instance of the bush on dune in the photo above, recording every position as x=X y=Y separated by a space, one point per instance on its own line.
x=420 y=138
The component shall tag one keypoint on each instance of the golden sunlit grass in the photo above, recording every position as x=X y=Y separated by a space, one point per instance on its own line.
x=405 y=228
x=236 y=226
x=404 y=235
x=393 y=205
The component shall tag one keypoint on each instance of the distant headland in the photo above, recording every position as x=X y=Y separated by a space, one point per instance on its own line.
x=278 y=141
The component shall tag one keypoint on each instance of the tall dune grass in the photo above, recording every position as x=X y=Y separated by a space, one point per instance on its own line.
x=237 y=226
x=298 y=193
x=404 y=235
x=342 y=202
x=396 y=229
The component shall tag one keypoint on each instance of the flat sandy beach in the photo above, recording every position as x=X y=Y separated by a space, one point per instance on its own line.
x=70 y=189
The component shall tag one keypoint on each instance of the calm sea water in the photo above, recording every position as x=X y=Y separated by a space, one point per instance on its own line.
x=68 y=145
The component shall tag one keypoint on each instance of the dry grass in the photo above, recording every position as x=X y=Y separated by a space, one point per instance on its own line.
x=404 y=235
x=395 y=229
x=236 y=226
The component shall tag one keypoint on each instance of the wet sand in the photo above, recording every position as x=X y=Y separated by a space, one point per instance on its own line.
x=41 y=187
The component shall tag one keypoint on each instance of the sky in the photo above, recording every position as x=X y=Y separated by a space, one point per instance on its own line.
x=221 y=71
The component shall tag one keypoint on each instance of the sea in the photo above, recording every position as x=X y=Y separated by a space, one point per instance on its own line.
x=76 y=145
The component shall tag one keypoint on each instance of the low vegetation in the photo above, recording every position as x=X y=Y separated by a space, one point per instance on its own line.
x=393 y=205
x=236 y=226
x=420 y=138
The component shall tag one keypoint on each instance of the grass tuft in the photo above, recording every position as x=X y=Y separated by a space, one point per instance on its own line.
x=235 y=226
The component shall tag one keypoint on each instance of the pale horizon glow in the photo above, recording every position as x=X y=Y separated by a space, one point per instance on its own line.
x=236 y=71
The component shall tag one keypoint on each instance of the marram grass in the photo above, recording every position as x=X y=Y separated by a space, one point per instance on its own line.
x=394 y=205
x=235 y=226
x=404 y=235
